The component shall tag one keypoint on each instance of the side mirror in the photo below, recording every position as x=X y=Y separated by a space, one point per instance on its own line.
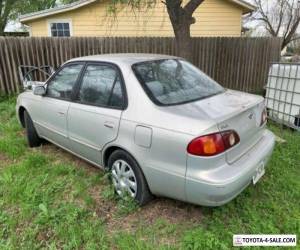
x=39 y=90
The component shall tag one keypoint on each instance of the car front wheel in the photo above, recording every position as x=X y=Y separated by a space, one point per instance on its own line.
x=127 y=177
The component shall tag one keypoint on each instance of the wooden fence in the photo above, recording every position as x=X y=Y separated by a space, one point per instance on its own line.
x=237 y=63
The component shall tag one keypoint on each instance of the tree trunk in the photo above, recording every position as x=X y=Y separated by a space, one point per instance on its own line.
x=184 y=41
x=289 y=35
x=2 y=27
x=3 y=22
x=284 y=44
x=181 y=21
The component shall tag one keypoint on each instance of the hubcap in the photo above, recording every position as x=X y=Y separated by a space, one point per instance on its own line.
x=123 y=178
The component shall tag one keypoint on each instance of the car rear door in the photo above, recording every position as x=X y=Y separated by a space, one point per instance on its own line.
x=94 y=115
x=50 y=112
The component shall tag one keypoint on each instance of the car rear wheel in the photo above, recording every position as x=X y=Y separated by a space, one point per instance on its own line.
x=127 y=177
x=32 y=137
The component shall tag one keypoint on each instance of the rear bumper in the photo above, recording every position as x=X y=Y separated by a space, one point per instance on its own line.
x=220 y=185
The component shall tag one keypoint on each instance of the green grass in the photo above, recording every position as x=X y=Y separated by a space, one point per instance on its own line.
x=50 y=200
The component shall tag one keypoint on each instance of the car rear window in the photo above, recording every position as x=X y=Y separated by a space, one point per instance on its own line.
x=174 y=81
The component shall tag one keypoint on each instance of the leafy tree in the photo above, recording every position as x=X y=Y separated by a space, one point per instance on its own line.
x=6 y=7
x=181 y=17
x=28 y=6
x=10 y=9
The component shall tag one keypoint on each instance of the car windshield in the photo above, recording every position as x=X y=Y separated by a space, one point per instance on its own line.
x=174 y=81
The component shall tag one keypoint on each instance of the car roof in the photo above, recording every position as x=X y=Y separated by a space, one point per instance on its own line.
x=126 y=58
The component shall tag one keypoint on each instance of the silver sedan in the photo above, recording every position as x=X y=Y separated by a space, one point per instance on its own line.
x=157 y=123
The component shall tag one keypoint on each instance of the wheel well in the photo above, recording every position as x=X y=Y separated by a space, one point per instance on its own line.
x=110 y=150
x=108 y=153
x=21 y=116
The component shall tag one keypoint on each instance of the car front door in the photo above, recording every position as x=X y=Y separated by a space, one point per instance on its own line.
x=51 y=112
x=94 y=116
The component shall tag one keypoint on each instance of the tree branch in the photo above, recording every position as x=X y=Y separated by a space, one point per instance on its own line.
x=281 y=14
x=192 y=5
x=281 y=18
x=291 y=17
x=265 y=18
x=295 y=39
x=1 y=6
x=290 y=34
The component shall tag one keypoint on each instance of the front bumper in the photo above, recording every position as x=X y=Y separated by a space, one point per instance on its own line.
x=220 y=185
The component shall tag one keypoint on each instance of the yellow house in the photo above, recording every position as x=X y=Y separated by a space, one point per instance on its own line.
x=92 y=18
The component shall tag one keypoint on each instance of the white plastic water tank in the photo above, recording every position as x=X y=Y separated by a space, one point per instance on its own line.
x=283 y=94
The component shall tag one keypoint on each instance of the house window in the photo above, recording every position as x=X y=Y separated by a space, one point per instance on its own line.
x=60 y=29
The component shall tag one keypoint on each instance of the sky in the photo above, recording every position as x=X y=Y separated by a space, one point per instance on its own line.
x=13 y=26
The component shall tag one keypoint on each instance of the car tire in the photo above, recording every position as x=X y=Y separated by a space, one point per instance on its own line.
x=142 y=193
x=32 y=137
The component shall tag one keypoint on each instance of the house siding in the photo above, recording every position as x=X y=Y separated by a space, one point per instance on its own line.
x=213 y=18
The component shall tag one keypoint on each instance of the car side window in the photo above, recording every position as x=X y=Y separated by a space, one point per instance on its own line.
x=117 y=98
x=101 y=86
x=61 y=85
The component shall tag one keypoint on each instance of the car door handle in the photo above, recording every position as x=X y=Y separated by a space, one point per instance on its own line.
x=109 y=124
x=61 y=113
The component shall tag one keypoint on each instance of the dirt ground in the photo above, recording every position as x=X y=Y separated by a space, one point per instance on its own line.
x=167 y=209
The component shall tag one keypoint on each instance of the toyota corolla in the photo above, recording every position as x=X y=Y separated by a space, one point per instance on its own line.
x=157 y=123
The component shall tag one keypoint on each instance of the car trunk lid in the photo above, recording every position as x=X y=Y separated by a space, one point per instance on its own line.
x=237 y=111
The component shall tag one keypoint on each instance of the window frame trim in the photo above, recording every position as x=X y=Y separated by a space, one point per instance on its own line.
x=68 y=20
x=79 y=84
x=75 y=84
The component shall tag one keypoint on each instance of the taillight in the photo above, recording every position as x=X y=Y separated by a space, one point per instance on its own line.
x=213 y=144
x=264 y=117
